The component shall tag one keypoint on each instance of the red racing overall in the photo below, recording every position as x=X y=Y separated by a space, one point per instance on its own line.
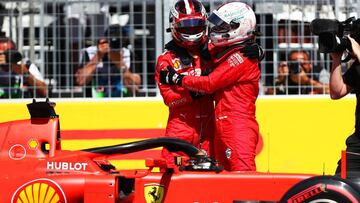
x=236 y=82
x=189 y=119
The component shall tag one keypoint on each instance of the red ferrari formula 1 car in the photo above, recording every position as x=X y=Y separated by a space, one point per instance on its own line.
x=34 y=169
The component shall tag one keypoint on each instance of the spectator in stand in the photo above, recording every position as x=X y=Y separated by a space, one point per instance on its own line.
x=19 y=78
x=106 y=67
x=298 y=76
x=281 y=81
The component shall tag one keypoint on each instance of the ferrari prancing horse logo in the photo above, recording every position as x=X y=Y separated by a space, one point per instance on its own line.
x=153 y=193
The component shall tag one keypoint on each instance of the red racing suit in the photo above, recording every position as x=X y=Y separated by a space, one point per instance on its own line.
x=189 y=119
x=236 y=82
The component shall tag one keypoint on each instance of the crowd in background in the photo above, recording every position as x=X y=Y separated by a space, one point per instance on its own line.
x=70 y=56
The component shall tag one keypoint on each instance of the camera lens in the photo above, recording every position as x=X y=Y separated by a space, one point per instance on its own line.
x=12 y=56
x=294 y=67
x=115 y=43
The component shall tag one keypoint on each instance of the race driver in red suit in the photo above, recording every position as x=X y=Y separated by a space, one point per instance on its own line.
x=235 y=79
x=191 y=116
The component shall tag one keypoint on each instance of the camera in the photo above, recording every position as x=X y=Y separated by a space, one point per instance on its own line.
x=12 y=56
x=332 y=33
x=114 y=42
x=116 y=36
x=294 y=67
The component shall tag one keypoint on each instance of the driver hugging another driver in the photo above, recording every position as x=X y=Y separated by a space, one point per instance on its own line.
x=222 y=71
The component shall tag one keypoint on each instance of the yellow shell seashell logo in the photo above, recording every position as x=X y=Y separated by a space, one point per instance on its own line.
x=39 y=191
x=176 y=64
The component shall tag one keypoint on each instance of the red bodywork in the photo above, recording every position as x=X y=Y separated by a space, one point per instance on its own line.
x=35 y=169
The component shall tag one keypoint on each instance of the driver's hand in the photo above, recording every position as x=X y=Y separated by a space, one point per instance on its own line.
x=202 y=153
x=253 y=51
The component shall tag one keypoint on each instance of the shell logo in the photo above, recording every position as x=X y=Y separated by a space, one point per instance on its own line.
x=176 y=64
x=39 y=191
x=33 y=144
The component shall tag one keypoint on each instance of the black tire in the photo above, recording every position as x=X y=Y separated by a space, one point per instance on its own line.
x=323 y=189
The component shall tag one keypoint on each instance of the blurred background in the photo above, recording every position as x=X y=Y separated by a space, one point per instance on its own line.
x=52 y=34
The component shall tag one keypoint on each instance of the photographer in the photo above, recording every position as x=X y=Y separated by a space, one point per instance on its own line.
x=341 y=85
x=299 y=76
x=107 y=67
x=341 y=39
x=19 y=78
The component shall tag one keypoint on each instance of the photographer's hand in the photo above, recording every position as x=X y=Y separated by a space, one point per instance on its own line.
x=283 y=72
x=336 y=57
x=20 y=69
x=355 y=47
x=338 y=88
x=2 y=58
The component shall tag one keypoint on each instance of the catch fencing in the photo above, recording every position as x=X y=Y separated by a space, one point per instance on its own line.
x=53 y=34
